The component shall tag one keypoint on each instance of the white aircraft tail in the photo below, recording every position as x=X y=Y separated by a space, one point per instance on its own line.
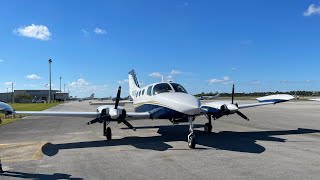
x=133 y=84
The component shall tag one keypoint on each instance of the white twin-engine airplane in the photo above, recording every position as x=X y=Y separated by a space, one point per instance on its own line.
x=158 y=101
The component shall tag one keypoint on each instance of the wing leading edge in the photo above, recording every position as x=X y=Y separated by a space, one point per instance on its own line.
x=267 y=100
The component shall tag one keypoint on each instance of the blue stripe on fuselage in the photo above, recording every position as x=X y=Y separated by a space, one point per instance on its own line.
x=160 y=112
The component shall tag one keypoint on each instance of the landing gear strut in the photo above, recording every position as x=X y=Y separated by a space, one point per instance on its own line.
x=1 y=170
x=208 y=126
x=191 y=136
x=107 y=131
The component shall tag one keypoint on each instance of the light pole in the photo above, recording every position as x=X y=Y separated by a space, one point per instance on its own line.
x=12 y=93
x=64 y=88
x=7 y=94
x=60 y=83
x=50 y=61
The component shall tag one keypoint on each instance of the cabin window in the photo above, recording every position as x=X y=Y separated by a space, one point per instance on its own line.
x=142 y=92
x=149 y=90
x=161 y=88
x=178 y=88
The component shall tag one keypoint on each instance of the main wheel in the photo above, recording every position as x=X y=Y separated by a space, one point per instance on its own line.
x=108 y=133
x=192 y=141
x=208 y=128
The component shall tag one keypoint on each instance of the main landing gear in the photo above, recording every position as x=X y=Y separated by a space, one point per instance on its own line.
x=191 y=136
x=107 y=131
x=208 y=126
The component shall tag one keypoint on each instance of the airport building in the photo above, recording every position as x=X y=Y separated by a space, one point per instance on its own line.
x=36 y=96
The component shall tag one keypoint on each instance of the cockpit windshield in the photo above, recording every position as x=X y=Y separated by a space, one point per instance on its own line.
x=161 y=88
x=178 y=88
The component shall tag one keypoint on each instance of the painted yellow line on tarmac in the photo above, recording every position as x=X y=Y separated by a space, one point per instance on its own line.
x=24 y=151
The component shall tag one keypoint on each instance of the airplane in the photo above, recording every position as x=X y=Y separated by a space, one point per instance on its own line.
x=314 y=99
x=122 y=99
x=209 y=97
x=164 y=100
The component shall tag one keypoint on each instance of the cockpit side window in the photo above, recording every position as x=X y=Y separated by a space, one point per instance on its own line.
x=178 y=88
x=149 y=90
x=161 y=88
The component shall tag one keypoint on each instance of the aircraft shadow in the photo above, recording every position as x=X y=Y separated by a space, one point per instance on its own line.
x=37 y=176
x=225 y=140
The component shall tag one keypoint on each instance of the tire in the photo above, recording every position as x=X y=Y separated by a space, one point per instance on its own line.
x=108 y=133
x=207 y=128
x=192 y=141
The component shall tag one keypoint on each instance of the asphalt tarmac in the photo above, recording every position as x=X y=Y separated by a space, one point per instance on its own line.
x=279 y=142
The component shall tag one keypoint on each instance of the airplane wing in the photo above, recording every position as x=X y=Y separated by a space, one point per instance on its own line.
x=219 y=109
x=121 y=103
x=267 y=100
x=58 y=113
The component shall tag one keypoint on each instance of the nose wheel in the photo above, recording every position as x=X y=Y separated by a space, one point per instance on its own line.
x=191 y=136
x=191 y=141
x=107 y=131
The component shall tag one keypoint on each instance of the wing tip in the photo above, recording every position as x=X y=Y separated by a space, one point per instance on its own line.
x=277 y=98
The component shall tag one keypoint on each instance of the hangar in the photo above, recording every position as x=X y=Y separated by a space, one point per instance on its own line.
x=28 y=96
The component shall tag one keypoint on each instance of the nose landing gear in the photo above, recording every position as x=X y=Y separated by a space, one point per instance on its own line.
x=191 y=136
x=107 y=131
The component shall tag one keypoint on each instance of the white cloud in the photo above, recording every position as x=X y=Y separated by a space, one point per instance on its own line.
x=85 y=32
x=34 y=31
x=169 y=78
x=79 y=83
x=30 y=85
x=256 y=82
x=9 y=83
x=224 y=80
x=1 y=60
x=125 y=81
x=33 y=77
x=100 y=31
x=173 y=72
x=234 y=69
x=312 y=10
x=155 y=74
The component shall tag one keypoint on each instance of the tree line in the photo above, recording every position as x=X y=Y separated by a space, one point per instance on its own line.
x=258 y=94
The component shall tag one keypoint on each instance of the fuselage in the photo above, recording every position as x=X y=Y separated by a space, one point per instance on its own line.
x=166 y=101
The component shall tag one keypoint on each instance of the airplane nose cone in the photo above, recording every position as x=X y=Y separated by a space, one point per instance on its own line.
x=184 y=103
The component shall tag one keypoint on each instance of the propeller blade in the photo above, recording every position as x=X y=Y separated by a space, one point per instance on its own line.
x=242 y=115
x=232 y=94
x=96 y=120
x=128 y=124
x=117 y=98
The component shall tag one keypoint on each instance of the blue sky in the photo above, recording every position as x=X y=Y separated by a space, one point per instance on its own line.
x=205 y=45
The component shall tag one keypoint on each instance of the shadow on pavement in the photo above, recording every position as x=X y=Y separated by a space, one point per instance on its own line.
x=37 y=176
x=225 y=140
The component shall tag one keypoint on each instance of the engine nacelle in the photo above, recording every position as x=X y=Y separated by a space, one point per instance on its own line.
x=228 y=109
x=113 y=113
x=232 y=108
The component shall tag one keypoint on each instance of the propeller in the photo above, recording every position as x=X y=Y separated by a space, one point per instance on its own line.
x=106 y=116
x=232 y=95
x=117 y=98
x=227 y=109
x=232 y=102
x=242 y=115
